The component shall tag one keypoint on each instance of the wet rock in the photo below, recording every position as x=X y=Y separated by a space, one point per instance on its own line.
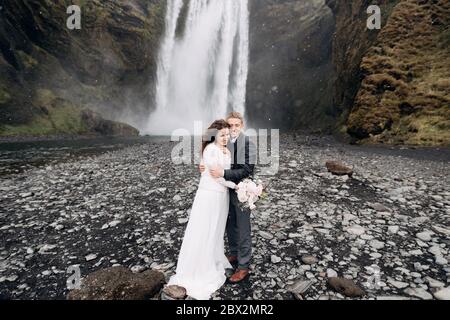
x=376 y=244
x=434 y=283
x=441 y=260
x=418 y=293
x=173 y=293
x=442 y=230
x=443 y=294
x=137 y=269
x=393 y=229
x=398 y=284
x=309 y=259
x=396 y=298
x=331 y=273
x=346 y=287
x=275 y=259
x=12 y=278
x=299 y=288
x=46 y=248
x=114 y=223
x=356 y=230
x=118 y=283
x=91 y=256
x=96 y=123
x=379 y=207
x=338 y=168
x=266 y=235
x=425 y=236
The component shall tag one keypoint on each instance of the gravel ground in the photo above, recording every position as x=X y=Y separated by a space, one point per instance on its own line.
x=387 y=228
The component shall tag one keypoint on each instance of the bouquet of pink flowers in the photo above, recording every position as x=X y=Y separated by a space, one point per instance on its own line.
x=249 y=192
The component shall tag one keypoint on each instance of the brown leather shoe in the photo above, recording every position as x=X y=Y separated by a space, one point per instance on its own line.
x=232 y=259
x=239 y=276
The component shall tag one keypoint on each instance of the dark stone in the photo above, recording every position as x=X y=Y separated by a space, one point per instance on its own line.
x=97 y=124
x=346 y=287
x=174 y=293
x=119 y=283
x=338 y=168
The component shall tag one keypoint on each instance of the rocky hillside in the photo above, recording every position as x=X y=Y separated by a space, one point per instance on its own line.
x=49 y=73
x=289 y=83
x=393 y=86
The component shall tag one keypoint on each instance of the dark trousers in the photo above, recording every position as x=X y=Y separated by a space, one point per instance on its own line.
x=239 y=232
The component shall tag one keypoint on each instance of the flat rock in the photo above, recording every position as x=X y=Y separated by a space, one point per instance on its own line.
x=346 y=287
x=398 y=284
x=442 y=230
x=338 y=168
x=376 y=244
x=440 y=260
x=173 y=293
x=393 y=229
x=46 y=248
x=91 y=256
x=299 y=287
x=424 y=236
x=379 y=207
x=331 y=273
x=434 y=283
x=418 y=293
x=307 y=259
x=393 y=298
x=355 y=230
x=443 y=294
x=275 y=259
x=266 y=235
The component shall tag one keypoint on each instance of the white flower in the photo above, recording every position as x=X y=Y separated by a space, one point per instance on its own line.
x=242 y=195
x=249 y=192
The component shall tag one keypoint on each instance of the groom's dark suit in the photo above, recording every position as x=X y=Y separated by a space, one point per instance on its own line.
x=243 y=153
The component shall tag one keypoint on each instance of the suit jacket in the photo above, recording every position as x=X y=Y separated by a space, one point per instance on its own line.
x=243 y=160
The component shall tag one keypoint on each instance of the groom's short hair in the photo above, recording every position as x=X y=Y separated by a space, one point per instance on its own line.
x=235 y=115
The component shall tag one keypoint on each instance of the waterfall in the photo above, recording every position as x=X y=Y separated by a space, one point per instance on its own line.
x=202 y=64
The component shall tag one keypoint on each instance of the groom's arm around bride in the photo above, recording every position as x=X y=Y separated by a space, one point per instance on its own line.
x=244 y=159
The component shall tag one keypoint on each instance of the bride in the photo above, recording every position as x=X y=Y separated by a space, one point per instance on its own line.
x=202 y=261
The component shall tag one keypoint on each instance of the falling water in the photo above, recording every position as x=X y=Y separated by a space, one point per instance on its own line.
x=202 y=67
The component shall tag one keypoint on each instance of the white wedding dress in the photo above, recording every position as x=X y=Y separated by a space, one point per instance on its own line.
x=202 y=261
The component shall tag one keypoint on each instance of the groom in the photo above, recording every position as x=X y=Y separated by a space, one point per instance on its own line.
x=238 y=223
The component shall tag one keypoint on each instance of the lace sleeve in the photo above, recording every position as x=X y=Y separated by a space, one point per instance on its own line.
x=211 y=158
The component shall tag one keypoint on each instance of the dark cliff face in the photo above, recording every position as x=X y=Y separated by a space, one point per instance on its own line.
x=393 y=86
x=289 y=81
x=48 y=70
x=351 y=40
